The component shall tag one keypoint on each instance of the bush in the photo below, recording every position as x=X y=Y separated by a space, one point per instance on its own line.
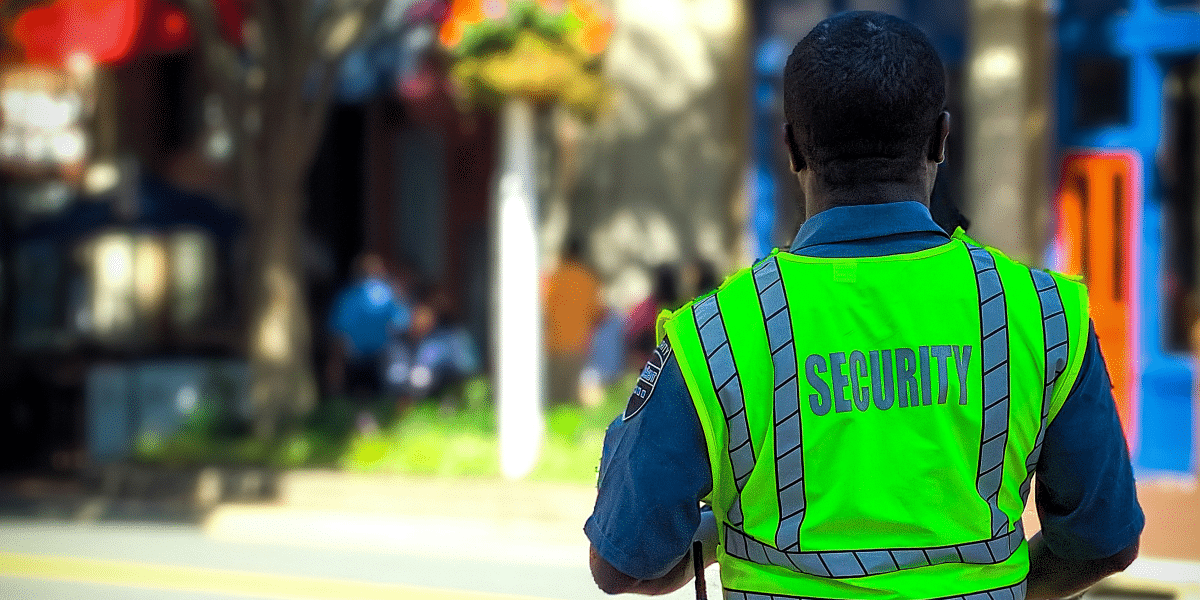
x=453 y=438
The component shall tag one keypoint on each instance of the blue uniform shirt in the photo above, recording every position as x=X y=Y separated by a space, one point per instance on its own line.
x=365 y=314
x=654 y=467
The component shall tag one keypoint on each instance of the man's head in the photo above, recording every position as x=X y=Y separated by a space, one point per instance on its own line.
x=864 y=98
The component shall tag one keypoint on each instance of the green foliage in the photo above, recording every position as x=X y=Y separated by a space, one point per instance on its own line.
x=454 y=436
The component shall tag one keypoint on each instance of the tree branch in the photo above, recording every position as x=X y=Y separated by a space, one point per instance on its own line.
x=325 y=58
x=342 y=25
x=220 y=58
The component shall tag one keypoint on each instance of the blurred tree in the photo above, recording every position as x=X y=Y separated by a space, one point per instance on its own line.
x=273 y=81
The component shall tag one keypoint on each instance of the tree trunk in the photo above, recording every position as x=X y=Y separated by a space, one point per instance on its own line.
x=283 y=385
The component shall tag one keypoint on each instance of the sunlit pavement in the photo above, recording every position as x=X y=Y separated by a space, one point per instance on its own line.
x=77 y=561
x=87 y=561
x=334 y=536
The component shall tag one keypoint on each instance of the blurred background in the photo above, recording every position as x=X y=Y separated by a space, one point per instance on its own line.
x=335 y=298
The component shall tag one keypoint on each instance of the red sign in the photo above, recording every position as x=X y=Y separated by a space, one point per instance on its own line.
x=111 y=31
x=1099 y=218
x=104 y=30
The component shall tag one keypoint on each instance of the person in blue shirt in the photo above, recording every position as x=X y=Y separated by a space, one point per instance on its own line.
x=654 y=465
x=364 y=316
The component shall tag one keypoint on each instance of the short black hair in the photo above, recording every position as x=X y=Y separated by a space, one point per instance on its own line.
x=862 y=93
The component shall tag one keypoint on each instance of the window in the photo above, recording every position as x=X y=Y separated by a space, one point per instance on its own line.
x=1101 y=91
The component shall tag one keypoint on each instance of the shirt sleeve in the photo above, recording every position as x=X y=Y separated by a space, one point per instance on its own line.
x=653 y=472
x=1086 y=498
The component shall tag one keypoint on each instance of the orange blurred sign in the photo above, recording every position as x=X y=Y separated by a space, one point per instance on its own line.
x=1099 y=217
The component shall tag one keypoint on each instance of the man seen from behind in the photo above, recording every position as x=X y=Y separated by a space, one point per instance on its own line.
x=865 y=411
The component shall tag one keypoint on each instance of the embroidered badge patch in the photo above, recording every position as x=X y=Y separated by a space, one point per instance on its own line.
x=647 y=380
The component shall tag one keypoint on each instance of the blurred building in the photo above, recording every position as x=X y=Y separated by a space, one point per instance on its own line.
x=118 y=246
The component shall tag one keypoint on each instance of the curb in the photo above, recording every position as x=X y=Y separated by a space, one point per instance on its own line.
x=519 y=541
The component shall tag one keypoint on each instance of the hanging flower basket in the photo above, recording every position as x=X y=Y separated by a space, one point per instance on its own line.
x=545 y=51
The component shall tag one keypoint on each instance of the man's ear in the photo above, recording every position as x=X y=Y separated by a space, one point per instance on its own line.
x=793 y=148
x=937 y=144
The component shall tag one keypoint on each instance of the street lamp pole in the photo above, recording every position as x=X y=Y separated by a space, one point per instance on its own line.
x=518 y=326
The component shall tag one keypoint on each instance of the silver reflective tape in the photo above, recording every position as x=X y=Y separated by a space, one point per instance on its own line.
x=859 y=563
x=1003 y=594
x=1057 y=352
x=941 y=555
x=721 y=366
x=975 y=554
x=877 y=562
x=777 y=557
x=779 y=332
x=789 y=456
x=735 y=543
x=842 y=564
x=735 y=512
x=910 y=559
x=787 y=440
x=994 y=424
x=792 y=496
x=991 y=454
x=714 y=341
x=995 y=350
x=994 y=333
x=1013 y=592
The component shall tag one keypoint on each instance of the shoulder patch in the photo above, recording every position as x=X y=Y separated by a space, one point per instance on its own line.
x=647 y=380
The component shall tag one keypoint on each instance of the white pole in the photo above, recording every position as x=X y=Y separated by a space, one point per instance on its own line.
x=518 y=327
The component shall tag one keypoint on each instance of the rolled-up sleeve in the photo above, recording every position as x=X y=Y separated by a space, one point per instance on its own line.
x=653 y=471
x=1086 y=497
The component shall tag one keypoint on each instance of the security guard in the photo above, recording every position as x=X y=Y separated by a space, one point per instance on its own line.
x=865 y=412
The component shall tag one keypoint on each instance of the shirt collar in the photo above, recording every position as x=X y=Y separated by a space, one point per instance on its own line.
x=865 y=222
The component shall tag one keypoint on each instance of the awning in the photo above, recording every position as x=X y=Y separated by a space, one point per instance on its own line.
x=112 y=31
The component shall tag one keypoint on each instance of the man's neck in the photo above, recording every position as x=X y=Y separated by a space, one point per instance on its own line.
x=821 y=198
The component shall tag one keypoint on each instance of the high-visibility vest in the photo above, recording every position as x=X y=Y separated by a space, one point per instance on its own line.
x=873 y=423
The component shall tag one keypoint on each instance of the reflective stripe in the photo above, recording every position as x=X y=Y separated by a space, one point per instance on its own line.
x=721 y=369
x=993 y=320
x=1054 y=334
x=789 y=458
x=1012 y=592
x=844 y=564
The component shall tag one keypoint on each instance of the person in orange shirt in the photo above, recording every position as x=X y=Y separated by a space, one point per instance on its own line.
x=573 y=307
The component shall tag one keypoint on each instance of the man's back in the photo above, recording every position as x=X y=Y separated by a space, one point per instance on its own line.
x=851 y=468
x=801 y=506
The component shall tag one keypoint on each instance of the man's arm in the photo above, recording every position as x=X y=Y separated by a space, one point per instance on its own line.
x=653 y=474
x=1086 y=496
x=612 y=581
x=1052 y=576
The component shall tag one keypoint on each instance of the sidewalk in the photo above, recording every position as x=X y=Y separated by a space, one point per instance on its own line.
x=492 y=520
x=486 y=519
x=497 y=520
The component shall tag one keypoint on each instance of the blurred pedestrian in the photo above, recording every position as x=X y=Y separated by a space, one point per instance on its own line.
x=434 y=354
x=573 y=307
x=605 y=361
x=639 y=336
x=364 y=314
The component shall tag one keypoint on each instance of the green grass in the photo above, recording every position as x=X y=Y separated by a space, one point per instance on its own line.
x=437 y=438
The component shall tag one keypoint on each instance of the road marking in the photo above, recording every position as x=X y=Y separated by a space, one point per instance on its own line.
x=218 y=581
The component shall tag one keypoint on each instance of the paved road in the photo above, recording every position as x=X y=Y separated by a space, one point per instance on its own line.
x=74 y=561
x=86 y=561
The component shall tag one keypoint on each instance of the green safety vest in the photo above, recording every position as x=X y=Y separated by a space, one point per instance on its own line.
x=873 y=423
